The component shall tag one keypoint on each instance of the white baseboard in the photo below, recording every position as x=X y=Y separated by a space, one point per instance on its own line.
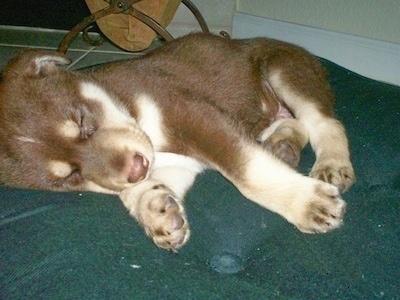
x=371 y=58
x=178 y=30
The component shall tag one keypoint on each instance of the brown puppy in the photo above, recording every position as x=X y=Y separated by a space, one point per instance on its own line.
x=145 y=128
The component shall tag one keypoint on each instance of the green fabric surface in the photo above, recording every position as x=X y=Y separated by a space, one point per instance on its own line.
x=85 y=246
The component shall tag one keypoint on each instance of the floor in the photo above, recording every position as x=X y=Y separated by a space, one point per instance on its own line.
x=14 y=39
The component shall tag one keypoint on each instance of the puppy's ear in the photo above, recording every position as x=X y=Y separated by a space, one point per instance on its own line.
x=35 y=63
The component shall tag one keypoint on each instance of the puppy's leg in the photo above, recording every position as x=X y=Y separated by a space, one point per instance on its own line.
x=157 y=204
x=310 y=204
x=311 y=101
x=313 y=206
x=285 y=138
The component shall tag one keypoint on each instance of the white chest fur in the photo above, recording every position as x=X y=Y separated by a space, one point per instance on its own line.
x=150 y=120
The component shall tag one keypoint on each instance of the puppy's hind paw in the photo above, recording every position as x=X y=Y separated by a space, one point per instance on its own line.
x=340 y=175
x=284 y=150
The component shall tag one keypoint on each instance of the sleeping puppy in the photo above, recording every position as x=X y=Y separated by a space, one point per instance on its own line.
x=144 y=128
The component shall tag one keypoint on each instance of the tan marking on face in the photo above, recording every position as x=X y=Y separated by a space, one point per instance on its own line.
x=69 y=129
x=59 y=168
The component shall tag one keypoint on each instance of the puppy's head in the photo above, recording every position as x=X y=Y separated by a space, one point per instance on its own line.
x=64 y=131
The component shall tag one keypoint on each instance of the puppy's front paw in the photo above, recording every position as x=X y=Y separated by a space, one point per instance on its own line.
x=323 y=211
x=162 y=217
x=339 y=174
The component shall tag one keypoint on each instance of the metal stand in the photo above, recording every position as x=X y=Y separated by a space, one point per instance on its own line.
x=126 y=7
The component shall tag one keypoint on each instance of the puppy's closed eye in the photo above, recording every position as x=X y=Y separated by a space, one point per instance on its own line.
x=81 y=124
x=86 y=127
x=73 y=179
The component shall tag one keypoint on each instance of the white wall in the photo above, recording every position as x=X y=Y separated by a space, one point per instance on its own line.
x=374 y=19
x=218 y=15
x=371 y=58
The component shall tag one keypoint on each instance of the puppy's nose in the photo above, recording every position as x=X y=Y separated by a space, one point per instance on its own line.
x=139 y=168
